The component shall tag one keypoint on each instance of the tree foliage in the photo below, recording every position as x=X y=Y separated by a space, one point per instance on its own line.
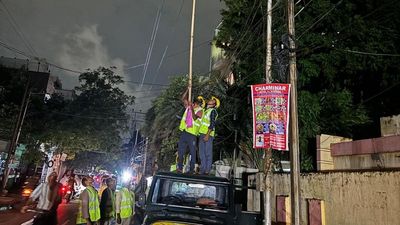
x=340 y=90
x=92 y=121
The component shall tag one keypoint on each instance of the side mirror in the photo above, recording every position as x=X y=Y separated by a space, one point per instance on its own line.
x=142 y=200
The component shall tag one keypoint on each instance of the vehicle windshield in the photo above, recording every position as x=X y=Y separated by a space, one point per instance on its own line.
x=192 y=194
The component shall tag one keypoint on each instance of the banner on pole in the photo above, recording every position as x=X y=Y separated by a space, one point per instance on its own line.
x=270 y=115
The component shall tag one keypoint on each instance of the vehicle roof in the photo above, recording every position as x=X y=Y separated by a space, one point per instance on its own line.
x=206 y=178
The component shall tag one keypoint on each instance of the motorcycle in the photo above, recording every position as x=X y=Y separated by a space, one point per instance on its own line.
x=67 y=193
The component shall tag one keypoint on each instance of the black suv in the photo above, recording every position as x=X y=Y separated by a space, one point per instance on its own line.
x=194 y=199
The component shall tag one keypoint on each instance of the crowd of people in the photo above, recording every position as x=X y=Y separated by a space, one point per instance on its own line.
x=197 y=128
x=106 y=206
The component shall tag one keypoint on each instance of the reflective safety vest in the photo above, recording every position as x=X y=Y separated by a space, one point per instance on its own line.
x=127 y=202
x=205 y=122
x=94 y=208
x=196 y=123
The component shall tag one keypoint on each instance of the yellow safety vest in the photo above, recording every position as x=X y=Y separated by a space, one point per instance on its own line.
x=196 y=123
x=205 y=122
x=127 y=201
x=94 y=208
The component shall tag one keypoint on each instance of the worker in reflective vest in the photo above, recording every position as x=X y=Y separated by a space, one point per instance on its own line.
x=125 y=205
x=189 y=127
x=89 y=209
x=207 y=134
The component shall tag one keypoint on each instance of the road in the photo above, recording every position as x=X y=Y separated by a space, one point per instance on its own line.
x=66 y=215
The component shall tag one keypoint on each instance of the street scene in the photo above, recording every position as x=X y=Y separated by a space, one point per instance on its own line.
x=200 y=112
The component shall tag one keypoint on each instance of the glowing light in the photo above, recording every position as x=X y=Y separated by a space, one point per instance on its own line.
x=26 y=192
x=149 y=180
x=126 y=176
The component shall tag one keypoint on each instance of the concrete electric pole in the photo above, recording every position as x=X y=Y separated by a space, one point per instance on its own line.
x=294 y=130
x=268 y=152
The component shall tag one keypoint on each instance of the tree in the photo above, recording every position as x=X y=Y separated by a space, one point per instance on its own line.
x=339 y=90
x=91 y=122
x=12 y=83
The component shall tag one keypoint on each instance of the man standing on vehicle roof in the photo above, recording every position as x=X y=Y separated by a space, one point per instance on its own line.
x=189 y=125
x=207 y=134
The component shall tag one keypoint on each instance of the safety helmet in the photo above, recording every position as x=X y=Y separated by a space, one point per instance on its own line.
x=217 y=102
x=201 y=101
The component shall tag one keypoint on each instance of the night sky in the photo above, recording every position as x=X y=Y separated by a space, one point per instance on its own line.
x=81 y=34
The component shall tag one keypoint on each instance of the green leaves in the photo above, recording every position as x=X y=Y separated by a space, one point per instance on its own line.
x=93 y=120
x=339 y=91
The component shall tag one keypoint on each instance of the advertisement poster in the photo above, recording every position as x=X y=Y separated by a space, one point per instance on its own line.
x=270 y=115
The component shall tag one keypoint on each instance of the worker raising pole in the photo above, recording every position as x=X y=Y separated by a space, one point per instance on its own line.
x=191 y=53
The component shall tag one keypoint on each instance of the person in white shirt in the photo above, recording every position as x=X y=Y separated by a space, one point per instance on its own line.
x=49 y=197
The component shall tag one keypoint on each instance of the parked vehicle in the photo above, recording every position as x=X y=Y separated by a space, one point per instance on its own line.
x=195 y=199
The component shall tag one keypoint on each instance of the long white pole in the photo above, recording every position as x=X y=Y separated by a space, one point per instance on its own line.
x=268 y=154
x=191 y=52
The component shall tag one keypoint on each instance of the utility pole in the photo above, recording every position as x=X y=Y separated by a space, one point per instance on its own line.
x=267 y=154
x=294 y=129
x=16 y=132
x=191 y=52
x=145 y=156
x=268 y=61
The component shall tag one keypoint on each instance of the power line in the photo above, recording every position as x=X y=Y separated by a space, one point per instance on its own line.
x=381 y=92
x=64 y=68
x=305 y=6
x=321 y=18
x=92 y=117
x=33 y=57
x=16 y=28
x=369 y=53
x=135 y=66
x=153 y=84
x=152 y=40
x=168 y=42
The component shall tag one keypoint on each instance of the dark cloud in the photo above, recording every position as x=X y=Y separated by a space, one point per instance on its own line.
x=85 y=34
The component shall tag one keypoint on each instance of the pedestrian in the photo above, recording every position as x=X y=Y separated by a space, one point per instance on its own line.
x=49 y=197
x=89 y=209
x=103 y=185
x=125 y=204
x=189 y=127
x=107 y=203
x=207 y=134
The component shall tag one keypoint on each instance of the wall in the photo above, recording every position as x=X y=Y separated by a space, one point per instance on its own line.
x=350 y=198
x=325 y=160
x=383 y=152
x=371 y=161
x=390 y=125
